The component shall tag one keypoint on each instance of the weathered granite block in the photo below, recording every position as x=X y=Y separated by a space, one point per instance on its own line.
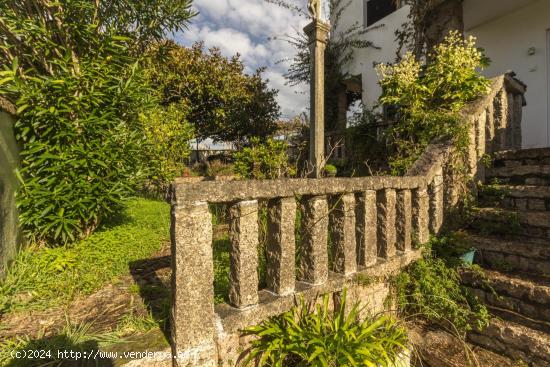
x=387 y=211
x=404 y=220
x=366 y=230
x=342 y=225
x=436 y=193
x=243 y=235
x=421 y=215
x=281 y=246
x=314 y=251
x=192 y=282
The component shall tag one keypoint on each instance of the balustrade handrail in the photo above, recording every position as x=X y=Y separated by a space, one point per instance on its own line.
x=374 y=223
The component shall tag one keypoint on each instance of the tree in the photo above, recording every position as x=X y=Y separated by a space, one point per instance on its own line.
x=71 y=66
x=224 y=103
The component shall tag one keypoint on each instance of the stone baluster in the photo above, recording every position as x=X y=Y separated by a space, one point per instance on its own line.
x=366 y=234
x=490 y=129
x=436 y=193
x=404 y=220
x=243 y=235
x=314 y=251
x=517 y=116
x=387 y=235
x=421 y=215
x=193 y=326
x=281 y=246
x=481 y=143
x=342 y=225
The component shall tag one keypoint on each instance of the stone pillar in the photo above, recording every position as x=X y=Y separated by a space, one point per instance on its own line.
x=436 y=202
x=481 y=138
x=193 y=314
x=243 y=235
x=490 y=129
x=404 y=220
x=314 y=251
x=281 y=246
x=387 y=235
x=421 y=215
x=366 y=217
x=342 y=226
x=317 y=33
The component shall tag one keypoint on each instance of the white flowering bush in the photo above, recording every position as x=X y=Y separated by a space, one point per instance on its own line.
x=429 y=97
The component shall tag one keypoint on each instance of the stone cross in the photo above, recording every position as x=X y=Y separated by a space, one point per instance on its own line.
x=317 y=32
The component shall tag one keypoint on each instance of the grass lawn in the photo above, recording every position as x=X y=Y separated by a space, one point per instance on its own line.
x=42 y=278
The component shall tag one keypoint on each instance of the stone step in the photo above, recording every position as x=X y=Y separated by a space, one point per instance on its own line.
x=515 y=297
x=516 y=197
x=435 y=347
x=515 y=254
x=520 y=175
x=515 y=341
x=501 y=222
x=537 y=156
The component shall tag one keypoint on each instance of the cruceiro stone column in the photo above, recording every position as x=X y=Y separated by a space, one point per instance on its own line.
x=314 y=251
x=281 y=246
x=421 y=215
x=317 y=33
x=437 y=207
x=243 y=235
x=193 y=327
x=342 y=229
x=366 y=235
x=404 y=220
x=387 y=235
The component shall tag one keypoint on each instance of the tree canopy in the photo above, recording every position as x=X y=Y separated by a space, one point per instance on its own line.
x=224 y=103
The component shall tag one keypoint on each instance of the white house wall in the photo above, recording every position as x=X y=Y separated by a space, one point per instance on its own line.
x=507 y=41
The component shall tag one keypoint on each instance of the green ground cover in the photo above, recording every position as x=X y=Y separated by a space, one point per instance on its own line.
x=41 y=278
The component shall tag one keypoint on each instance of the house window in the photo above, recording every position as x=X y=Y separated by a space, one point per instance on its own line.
x=376 y=10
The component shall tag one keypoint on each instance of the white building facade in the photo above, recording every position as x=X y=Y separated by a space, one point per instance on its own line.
x=514 y=33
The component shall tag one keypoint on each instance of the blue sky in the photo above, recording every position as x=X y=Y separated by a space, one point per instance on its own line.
x=250 y=28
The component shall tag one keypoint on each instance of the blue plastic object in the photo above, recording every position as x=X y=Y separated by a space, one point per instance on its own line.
x=468 y=257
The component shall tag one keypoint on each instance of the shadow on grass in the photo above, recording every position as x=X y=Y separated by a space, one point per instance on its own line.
x=154 y=292
x=58 y=350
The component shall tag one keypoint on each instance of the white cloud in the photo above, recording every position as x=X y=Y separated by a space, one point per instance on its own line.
x=248 y=27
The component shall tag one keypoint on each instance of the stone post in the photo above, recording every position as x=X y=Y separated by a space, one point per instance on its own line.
x=437 y=207
x=404 y=220
x=193 y=327
x=366 y=234
x=421 y=215
x=281 y=246
x=314 y=251
x=387 y=234
x=342 y=226
x=243 y=235
x=317 y=33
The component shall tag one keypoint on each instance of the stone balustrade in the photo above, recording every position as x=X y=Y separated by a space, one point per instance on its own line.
x=351 y=228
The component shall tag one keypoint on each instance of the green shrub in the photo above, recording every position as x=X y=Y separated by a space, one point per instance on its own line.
x=80 y=156
x=331 y=170
x=431 y=288
x=312 y=335
x=261 y=161
x=169 y=132
x=429 y=97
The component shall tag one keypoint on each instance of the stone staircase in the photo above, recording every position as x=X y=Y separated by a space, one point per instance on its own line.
x=512 y=235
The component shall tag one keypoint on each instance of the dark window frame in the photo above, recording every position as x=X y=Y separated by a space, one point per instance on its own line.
x=376 y=10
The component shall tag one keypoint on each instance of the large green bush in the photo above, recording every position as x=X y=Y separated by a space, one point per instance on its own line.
x=72 y=68
x=429 y=97
x=262 y=161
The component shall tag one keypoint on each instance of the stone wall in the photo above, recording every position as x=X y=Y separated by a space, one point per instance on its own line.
x=9 y=160
x=374 y=224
